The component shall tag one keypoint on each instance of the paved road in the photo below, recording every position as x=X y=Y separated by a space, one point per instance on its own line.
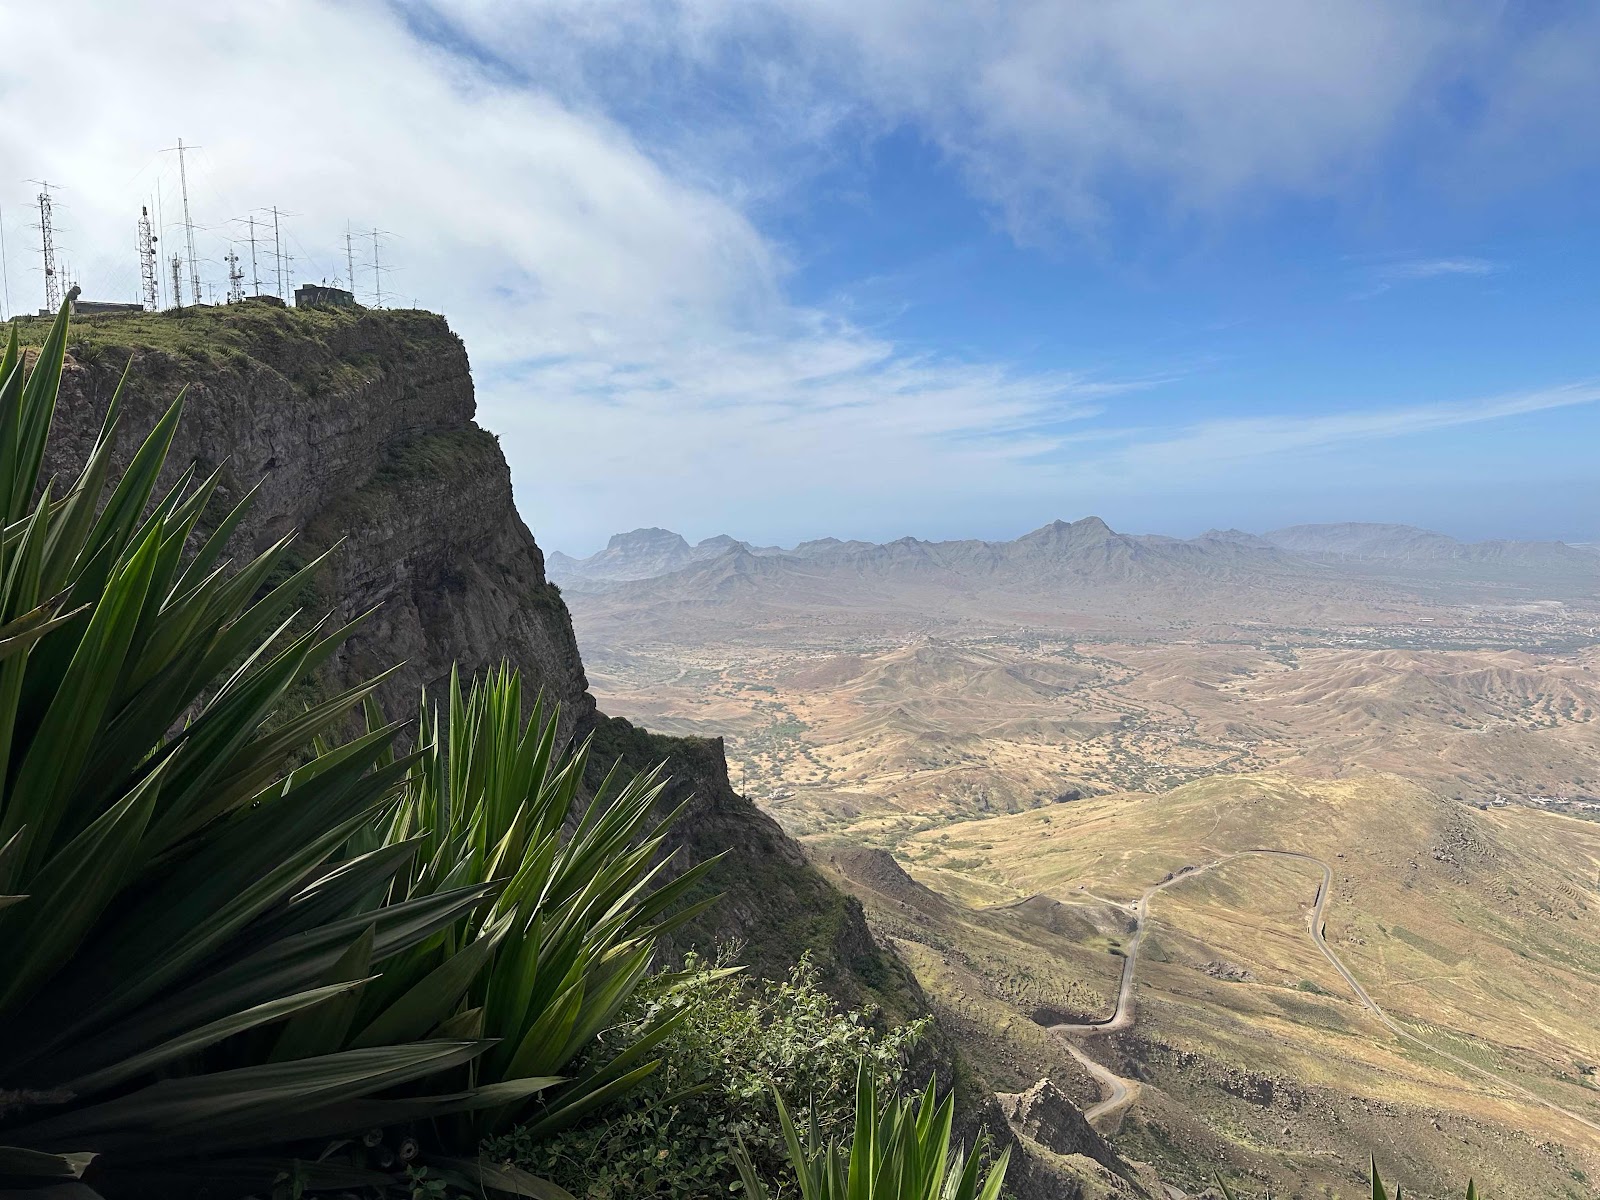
x=1122 y=1015
x=1118 y=1093
x=1115 y=1091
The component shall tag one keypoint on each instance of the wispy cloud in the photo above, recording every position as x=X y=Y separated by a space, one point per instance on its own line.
x=1052 y=111
x=632 y=324
x=1433 y=268
x=1211 y=448
x=1381 y=277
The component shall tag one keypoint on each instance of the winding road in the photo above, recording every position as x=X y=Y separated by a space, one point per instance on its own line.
x=1118 y=1093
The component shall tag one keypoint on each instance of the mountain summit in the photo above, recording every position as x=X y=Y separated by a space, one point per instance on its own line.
x=642 y=554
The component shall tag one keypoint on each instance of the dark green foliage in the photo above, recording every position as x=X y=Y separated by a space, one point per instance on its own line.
x=899 y=1150
x=736 y=1044
x=580 y=903
x=169 y=858
x=229 y=942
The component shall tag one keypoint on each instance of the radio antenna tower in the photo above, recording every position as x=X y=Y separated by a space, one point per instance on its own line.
x=235 y=276
x=378 y=268
x=47 y=248
x=255 y=271
x=149 y=277
x=281 y=260
x=349 y=260
x=188 y=223
x=177 y=281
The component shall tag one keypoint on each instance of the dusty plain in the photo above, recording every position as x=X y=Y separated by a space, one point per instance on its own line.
x=999 y=781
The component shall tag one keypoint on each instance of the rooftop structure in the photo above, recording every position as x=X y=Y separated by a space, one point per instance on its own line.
x=312 y=295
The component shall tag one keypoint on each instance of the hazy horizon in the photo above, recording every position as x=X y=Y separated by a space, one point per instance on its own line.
x=695 y=538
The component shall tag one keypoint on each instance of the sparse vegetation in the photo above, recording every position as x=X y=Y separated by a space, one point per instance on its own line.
x=735 y=1044
x=1380 y=1191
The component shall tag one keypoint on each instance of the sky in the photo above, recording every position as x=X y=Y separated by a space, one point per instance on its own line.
x=866 y=268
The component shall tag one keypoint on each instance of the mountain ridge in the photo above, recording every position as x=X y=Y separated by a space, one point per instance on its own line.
x=650 y=553
x=1372 y=574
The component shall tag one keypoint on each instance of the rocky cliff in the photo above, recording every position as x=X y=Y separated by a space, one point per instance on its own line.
x=357 y=428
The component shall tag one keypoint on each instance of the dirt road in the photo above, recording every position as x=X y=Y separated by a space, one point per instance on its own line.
x=1118 y=1093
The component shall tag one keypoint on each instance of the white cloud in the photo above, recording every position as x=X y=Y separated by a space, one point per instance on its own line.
x=1383 y=276
x=1069 y=112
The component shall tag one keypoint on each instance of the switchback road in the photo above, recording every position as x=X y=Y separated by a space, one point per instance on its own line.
x=1118 y=1093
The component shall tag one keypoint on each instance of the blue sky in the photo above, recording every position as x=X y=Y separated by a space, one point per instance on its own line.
x=876 y=267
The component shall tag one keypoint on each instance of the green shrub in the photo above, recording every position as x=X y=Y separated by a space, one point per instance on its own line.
x=735 y=1043
x=492 y=801
x=901 y=1150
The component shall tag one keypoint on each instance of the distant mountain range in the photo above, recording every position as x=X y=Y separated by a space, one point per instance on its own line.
x=645 y=554
x=1067 y=571
x=1063 y=549
x=1407 y=543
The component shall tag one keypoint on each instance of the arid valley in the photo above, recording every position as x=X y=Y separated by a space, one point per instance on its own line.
x=1048 y=765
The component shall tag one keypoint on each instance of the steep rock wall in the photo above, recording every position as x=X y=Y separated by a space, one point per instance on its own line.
x=357 y=428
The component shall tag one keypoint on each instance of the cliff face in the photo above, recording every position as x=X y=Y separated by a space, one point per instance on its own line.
x=774 y=905
x=358 y=428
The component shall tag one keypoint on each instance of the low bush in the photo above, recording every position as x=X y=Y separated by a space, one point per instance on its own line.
x=736 y=1045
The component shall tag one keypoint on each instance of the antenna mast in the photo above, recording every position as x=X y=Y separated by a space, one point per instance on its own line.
x=349 y=259
x=255 y=271
x=277 y=252
x=188 y=228
x=47 y=249
x=177 y=281
x=188 y=223
x=235 y=276
x=149 y=277
x=5 y=269
x=377 y=267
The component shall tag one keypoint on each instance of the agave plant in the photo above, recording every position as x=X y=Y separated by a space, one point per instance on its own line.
x=578 y=909
x=899 y=1152
x=1379 y=1191
x=172 y=878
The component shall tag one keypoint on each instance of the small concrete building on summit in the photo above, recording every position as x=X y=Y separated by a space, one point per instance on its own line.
x=320 y=295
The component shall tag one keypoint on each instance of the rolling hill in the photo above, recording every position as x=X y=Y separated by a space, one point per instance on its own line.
x=1477 y=932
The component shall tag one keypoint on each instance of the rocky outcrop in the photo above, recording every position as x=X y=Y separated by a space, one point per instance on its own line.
x=1044 y=1114
x=773 y=904
x=357 y=429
